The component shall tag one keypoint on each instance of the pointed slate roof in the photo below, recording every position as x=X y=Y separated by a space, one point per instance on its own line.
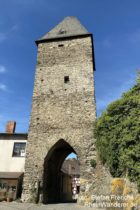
x=68 y=27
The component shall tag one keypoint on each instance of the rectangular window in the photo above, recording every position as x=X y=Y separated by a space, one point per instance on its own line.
x=66 y=79
x=19 y=149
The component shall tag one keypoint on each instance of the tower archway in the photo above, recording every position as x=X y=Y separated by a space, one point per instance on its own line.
x=53 y=177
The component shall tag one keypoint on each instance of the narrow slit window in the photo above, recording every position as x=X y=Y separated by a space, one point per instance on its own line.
x=60 y=45
x=66 y=79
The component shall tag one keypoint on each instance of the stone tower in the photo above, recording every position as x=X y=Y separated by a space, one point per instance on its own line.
x=63 y=111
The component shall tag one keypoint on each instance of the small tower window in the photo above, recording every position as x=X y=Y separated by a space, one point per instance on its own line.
x=66 y=79
x=62 y=31
x=60 y=45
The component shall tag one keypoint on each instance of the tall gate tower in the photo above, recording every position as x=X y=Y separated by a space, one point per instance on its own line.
x=63 y=111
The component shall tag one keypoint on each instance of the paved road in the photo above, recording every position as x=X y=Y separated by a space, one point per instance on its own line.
x=27 y=206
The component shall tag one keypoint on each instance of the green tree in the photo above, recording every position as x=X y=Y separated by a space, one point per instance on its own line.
x=118 y=135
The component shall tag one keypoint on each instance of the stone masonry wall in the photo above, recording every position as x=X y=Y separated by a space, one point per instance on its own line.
x=61 y=110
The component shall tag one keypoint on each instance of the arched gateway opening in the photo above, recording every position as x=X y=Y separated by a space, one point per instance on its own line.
x=57 y=185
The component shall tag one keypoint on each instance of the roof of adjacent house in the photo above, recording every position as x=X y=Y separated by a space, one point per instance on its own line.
x=71 y=167
x=68 y=27
x=22 y=136
x=10 y=175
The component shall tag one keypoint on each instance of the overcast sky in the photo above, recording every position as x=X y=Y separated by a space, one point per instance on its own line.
x=115 y=25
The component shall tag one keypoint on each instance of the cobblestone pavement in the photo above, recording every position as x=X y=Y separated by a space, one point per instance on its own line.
x=29 y=206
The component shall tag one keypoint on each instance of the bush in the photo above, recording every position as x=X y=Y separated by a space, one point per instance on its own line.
x=93 y=163
x=118 y=135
